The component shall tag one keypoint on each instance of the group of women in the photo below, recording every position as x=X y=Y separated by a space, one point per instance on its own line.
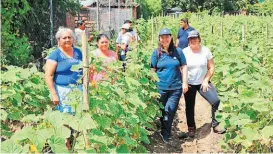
x=183 y=71
x=179 y=71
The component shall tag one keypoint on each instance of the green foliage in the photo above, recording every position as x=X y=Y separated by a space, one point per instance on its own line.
x=124 y=104
x=25 y=39
x=121 y=108
x=264 y=8
x=23 y=92
x=210 y=5
x=243 y=74
x=15 y=48
x=150 y=7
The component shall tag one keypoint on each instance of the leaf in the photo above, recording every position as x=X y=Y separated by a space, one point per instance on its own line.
x=9 y=146
x=100 y=139
x=40 y=136
x=18 y=98
x=57 y=144
x=4 y=115
x=267 y=132
x=129 y=141
x=135 y=100
x=31 y=118
x=76 y=68
x=132 y=81
x=104 y=121
x=14 y=116
x=26 y=148
x=250 y=134
x=260 y=106
x=144 y=81
x=62 y=131
x=87 y=122
x=33 y=69
x=24 y=133
x=122 y=149
x=54 y=117
x=242 y=122
x=120 y=92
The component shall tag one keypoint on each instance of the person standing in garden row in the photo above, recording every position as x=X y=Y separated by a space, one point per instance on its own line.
x=200 y=70
x=170 y=64
x=123 y=40
x=182 y=36
x=106 y=54
x=60 y=79
x=79 y=30
x=131 y=30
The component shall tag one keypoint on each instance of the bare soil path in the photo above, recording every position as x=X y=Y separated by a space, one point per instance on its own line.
x=205 y=140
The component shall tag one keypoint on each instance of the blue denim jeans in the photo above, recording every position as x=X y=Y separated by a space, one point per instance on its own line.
x=170 y=100
x=62 y=92
x=210 y=96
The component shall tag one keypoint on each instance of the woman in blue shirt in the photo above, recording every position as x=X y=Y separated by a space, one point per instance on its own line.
x=60 y=79
x=170 y=65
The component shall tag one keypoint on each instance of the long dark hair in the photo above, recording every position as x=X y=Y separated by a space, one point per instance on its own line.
x=171 y=46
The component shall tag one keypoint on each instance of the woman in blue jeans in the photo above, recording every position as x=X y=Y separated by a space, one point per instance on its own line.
x=60 y=79
x=170 y=65
x=200 y=70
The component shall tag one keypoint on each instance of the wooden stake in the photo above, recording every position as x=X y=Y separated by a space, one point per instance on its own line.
x=152 y=20
x=211 y=29
x=267 y=31
x=221 y=29
x=85 y=66
x=243 y=33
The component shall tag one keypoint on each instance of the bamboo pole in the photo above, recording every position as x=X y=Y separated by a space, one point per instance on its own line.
x=109 y=19
x=222 y=30
x=85 y=70
x=152 y=20
x=98 y=20
x=243 y=33
x=267 y=33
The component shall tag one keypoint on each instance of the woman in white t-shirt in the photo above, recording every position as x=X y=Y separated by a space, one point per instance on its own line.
x=200 y=70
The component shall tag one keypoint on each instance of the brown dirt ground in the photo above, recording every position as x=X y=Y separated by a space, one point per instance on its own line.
x=205 y=140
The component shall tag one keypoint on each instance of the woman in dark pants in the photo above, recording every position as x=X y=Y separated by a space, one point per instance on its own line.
x=200 y=70
x=170 y=65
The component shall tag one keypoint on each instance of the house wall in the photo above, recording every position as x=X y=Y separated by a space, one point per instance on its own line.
x=117 y=17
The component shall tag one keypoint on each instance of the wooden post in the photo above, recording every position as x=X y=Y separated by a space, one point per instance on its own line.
x=152 y=20
x=109 y=19
x=266 y=30
x=222 y=30
x=243 y=33
x=136 y=35
x=98 y=16
x=211 y=29
x=156 y=25
x=85 y=65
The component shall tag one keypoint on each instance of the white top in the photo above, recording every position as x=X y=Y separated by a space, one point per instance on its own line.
x=78 y=35
x=124 y=39
x=197 y=64
x=130 y=34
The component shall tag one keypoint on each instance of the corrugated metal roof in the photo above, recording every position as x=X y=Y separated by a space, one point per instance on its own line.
x=114 y=3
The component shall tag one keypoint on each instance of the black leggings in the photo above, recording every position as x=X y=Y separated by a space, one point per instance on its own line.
x=210 y=96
